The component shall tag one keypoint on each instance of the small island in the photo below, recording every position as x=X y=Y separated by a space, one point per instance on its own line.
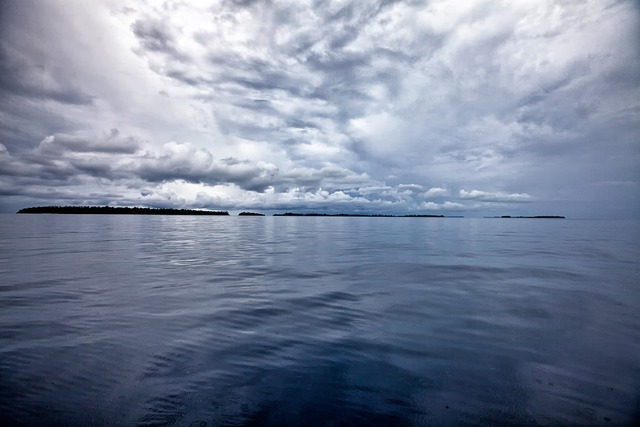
x=108 y=210
x=250 y=214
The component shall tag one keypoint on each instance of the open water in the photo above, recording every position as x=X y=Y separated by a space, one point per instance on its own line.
x=211 y=321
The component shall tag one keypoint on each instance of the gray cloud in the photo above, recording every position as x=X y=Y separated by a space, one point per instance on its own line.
x=112 y=143
x=20 y=76
x=185 y=162
x=154 y=35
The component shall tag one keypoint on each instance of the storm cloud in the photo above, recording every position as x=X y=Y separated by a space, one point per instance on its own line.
x=469 y=108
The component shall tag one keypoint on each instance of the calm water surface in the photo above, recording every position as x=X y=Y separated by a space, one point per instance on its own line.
x=211 y=321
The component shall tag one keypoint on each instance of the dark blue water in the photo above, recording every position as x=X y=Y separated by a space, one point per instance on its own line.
x=194 y=321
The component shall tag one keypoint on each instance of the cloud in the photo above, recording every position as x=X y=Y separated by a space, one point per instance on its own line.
x=410 y=187
x=485 y=196
x=332 y=175
x=448 y=206
x=21 y=76
x=154 y=35
x=183 y=161
x=108 y=143
x=435 y=192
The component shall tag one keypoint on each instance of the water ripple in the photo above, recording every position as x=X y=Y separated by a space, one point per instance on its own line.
x=312 y=321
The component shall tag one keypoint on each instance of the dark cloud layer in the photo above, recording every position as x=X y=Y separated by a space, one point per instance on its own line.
x=394 y=106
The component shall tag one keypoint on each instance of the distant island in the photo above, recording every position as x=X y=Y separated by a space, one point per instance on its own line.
x=250 y=214
x=364 y=215
x=530 y=217
x=108 y=210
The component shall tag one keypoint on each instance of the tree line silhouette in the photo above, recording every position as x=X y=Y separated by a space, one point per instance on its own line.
x=359 y=215
x=109 y=210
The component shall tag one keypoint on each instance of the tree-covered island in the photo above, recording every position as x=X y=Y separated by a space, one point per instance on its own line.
x=109 y=210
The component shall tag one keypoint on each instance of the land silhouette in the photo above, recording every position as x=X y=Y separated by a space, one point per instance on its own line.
x=364 y=215
x=530 y=217
x=108 y=210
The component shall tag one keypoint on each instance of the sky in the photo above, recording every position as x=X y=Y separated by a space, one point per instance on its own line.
x=473 y=108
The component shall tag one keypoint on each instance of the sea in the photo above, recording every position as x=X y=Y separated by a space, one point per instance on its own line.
x=126 y=320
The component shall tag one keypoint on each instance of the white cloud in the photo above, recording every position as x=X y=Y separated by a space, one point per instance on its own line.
x=485 y=196
x=449 y=206
x=435 y=192
x=410 y=187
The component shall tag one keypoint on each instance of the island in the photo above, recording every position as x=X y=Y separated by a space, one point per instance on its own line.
x=529 y=217
x=250 y=214
x=109 y=210
x=364 y=215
